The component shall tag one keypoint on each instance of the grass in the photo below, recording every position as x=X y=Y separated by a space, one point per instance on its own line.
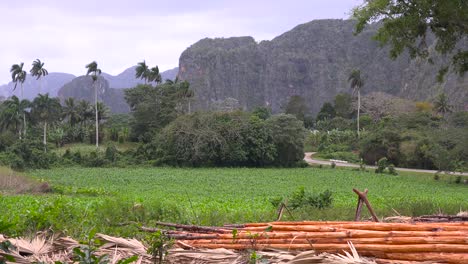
x=109 y=198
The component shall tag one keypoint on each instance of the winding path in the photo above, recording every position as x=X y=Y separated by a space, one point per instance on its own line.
x=309 y=159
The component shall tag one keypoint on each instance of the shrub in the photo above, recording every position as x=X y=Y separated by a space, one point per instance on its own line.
x=392 y=170
x=381 y=165
x=301 y=198
x=458 y=179
x=333 y=165
x=436 y=176
x=26 y=154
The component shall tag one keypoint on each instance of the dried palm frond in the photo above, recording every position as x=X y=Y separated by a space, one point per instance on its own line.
x=123 y=243
x=350 y=258
x=36 y=246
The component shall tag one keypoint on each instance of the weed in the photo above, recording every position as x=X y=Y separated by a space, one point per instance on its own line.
x=158 y=245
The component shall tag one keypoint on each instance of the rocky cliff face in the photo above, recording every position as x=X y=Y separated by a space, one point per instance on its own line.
x=312 y=60
x=81 y=88
x=111 y=88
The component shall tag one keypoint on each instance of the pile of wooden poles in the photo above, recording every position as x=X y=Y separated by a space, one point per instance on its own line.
x=434 y=242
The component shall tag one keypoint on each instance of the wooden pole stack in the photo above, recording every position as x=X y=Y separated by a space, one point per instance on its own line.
x=443 y=242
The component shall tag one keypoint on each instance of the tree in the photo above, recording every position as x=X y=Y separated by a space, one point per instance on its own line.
x=47 y=110
x=343 y=105
x=441 y=104
x=185 y=93
x=11 y=115
x=288 y=135
x=296 y=107
x=154 y=75
x=327 y=112
x=85 y=111
x=142 y=71
x=38 y=71
x=95 y=71
x=356 y=84
x=407 y=25
x=18 y=75
x=71 y=111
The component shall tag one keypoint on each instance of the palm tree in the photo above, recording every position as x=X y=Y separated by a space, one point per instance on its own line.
x=71 y=111
x=47 y=110
x=185 y=93
x=154 y=75
x=85 y=111
x=38 y=71
x=142 y=71
x=441 y=104
x=95 y=71
x=18 y=75
x=356 y=84
x=11 y=114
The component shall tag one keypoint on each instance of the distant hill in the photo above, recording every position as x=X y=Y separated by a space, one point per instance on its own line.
x=312 y=60
x=55 y=80
x=112 y=88
x=48 y=84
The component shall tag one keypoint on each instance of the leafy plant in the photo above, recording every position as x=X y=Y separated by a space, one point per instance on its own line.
x=158 y=245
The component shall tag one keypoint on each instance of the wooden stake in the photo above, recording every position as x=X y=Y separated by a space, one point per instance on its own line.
x=359 y=208
x=363 y=196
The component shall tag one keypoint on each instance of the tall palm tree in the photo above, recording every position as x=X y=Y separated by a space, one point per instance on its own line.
x=94 y=71
x=142 y=71
x=11 y=114
x=154 y=75
x=356 y=84
x=442 y=105
x=71 y=111
x=185 y=93
x=18 y=75
x=38 y=71
x=47 y=110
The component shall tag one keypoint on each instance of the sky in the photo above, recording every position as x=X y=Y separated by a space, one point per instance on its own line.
x=68 y=34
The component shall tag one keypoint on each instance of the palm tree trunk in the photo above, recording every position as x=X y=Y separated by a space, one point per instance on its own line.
x=24 y=114
x=358 y=110
x=96 y=110
x=44 y=140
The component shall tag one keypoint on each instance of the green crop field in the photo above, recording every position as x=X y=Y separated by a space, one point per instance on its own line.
x=112 y=200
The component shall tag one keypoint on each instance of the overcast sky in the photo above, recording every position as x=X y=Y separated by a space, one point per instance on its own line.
x=68 y=34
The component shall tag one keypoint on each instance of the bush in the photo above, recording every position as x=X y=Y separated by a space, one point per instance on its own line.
x=381 y=165
x=94 y=159
x=301 y=198
x=392 y=170
x=26 y=154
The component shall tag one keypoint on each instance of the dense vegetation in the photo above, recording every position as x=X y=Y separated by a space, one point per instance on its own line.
x=109 y=199
x=427 y=135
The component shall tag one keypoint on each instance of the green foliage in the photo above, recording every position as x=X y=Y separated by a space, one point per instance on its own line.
x=301 y=198
x=26 y=154
x=155 y=107
x=343 y=105
x=158 y=244
x=326 y=112
x=392 y=170
x=406 y=25
x=297 y=107
x=381 y=165
x=288 y=136
x=101 y=197
x=218 y=139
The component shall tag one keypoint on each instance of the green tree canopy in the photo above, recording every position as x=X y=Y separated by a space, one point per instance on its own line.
x=407 y=25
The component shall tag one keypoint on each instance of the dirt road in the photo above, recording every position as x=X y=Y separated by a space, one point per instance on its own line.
x=309 y=159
